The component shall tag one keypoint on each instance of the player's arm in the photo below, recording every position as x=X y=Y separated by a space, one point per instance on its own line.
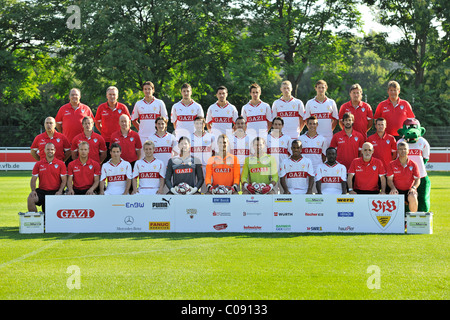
x=62 y=185
x=70 y=185
x=135 y=124
x=127 y=186
x=319 y=186
x=350 y=183
x=284 y=185
x=102 y=187
x=161 y=186
x=94 y=186
x=34 y=154
x=310 y=184
x=33 y=181
x=134 y=185
x=390 y=183
x=383 y=184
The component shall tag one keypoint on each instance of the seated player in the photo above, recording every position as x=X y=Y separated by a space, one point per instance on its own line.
x=331 y=176
x=297 y=173
x=51 y=173
x=150 y=172
x=260 y=172
x=184 y=173
x=223 y=171
x=403 y=176
x=83 y=173
x=116 y=173
x=368 y=173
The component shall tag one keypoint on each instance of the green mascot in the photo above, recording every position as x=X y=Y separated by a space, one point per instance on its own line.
x=419 y=152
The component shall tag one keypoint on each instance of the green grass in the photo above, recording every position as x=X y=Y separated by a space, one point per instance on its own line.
x=221 y=266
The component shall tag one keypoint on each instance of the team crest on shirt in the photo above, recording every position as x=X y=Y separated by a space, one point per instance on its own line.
x=56 y=166
x=374 y=168
x=82 y=110
x=119 y=111
x=383 y=211
x=95 y=140
x=363 y=109
x=388 y=141
x=58 y=140
x=356 y=138
x=410 y=168
x=90 y=167
x=131 y=139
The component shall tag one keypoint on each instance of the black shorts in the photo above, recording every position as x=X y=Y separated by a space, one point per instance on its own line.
x=78 y=191
x=366 y=191
x=41 y=196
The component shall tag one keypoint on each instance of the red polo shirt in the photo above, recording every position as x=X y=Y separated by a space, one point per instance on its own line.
x=59 y=141
x=71 y=119
x=129 y=144
x=363 y=114
x=366 y=173
x=49 y=173
x=403 y=176
x=83 y=174
x=394 y=115
x=347 y=147
x=96 y=144
x=110 y=118
x=383 y=147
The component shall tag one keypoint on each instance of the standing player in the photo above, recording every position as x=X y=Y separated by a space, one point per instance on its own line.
x=241 y=142
x=331 y=176
x=367 y=172
x=146 y=111
x=107 y=116
x=62 y=145
x=222 y=170
x=324 y=109
x=403 y=177
x=184 y=174
x=394 y=110
x=348 y=142
x=150 y=172
x=297 y=173
x=51 y=173
x=166 y=145
x=184 y=112
x=290 y=109
x=129 y=141
x=384 y=144
x=97 y=145
x=83 y=173
x=314 y=145
x=69 y=116
x=257 y=114
x=361 y=110
x=221 y=115
x=116 y=174
x=259 y=170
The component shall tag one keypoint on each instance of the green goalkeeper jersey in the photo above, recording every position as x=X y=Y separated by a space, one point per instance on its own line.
x=261 y=170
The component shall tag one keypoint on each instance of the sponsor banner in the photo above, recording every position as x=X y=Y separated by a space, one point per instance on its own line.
x=226 y=213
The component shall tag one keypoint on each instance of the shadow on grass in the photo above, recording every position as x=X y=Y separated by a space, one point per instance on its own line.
x=12 y=233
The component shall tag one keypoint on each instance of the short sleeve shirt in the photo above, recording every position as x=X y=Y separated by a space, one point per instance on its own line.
x=362 y=112
x=71 y=119
x=59 y=141
x=83 y=174
x=403 y=176
x=109 y=118
x=49 y=173
x=290 y=111
x=96 y=144
x=129 y=144
x=367 y=173
x=394 y=115
x=146 y=113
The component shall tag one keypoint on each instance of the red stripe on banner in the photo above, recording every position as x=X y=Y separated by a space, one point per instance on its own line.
x=16 y=157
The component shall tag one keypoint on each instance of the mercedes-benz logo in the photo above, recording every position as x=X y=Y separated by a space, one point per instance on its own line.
x=129 y=220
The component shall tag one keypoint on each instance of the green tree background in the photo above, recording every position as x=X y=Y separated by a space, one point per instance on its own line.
x=217 y=42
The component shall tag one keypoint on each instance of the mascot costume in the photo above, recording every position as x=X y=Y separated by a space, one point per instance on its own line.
x=419 y=152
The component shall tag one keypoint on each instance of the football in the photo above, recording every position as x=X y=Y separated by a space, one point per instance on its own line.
x=221 y=190
x=258 y=186
x=183 y=188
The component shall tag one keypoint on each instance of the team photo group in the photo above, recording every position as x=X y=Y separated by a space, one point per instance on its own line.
x=285 y=148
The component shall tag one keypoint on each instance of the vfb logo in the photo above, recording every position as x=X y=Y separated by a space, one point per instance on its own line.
x=383 y=211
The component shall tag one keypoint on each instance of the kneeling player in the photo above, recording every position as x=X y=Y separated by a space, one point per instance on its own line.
x=184 y=173
x=150 y=172
x=260 y=171
x=118 y=173
x=84 y=173
x=331 y=176
x=222 y=170
x=297 y=173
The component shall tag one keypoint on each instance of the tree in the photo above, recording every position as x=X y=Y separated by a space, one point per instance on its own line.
x=300 y=32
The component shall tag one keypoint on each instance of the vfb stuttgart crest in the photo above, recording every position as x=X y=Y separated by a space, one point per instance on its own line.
x=383 y=211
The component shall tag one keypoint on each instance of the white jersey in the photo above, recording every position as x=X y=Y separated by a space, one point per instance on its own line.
x=325 y=112
x=257 y=117
x=149 y=174
x=221 y=119
x=290 y=111
x=116 y=176
x=279 y=147
x=313 y=148
x=146 y=113
x=165 y=147
x=297 y=173
x=417 y=152
x=331 y=177
x=182 y=116
x=202 y=147
x=241 y=147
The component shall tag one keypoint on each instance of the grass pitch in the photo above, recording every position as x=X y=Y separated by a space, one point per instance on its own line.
x=220 y=266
